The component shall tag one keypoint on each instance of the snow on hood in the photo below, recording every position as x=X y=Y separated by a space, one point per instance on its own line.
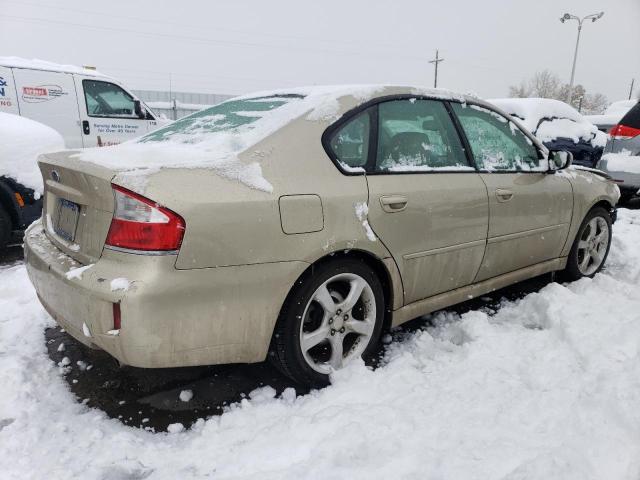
x=21 y=141
x=213 y=138
x=38 y=64
x=550 y=119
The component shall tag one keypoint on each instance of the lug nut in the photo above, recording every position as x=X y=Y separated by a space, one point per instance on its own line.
x=333 y=331
x=339 y=312
x=330 y=321
x=346 y=317
x=342 y=330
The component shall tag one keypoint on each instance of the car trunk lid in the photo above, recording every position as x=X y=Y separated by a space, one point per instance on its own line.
x=78 y=204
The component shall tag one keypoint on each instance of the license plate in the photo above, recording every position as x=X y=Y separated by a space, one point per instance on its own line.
x=66 y=219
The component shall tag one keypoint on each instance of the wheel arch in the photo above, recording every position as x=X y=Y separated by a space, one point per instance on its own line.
x=388 y=279
x=8 y=202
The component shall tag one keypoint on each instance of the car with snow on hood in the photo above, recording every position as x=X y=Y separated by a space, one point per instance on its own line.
x=298 y=225
x=558 y=126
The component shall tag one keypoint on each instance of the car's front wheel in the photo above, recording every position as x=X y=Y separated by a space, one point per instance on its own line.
x=333 y=316
x=591 y=246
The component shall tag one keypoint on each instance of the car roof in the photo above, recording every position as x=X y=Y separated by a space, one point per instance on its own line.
x=36 y=64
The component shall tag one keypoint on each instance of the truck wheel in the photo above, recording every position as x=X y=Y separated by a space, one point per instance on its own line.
x=591 y=246
x=331 y=317
x=6 y=228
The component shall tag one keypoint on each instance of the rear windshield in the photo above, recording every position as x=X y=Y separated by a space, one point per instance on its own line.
x=632 y=118
x=224 y=117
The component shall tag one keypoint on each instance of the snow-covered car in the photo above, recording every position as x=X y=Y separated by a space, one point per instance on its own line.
x=298 y=225
x=622 y=154
x=558 y=126
x=21 y=141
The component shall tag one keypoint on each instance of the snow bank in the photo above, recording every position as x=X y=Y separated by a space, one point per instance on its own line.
x=563 y=121
x=546 y=388
x=21 y=141
x=622 y=162
x=38 y=64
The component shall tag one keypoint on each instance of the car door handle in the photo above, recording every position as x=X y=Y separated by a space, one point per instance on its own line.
x=85 y=127
x=394 y=203
x=503 y=194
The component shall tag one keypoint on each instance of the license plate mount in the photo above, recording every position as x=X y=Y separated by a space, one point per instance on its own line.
x=66 y=219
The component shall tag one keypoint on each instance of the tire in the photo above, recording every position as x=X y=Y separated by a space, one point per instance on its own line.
x=6 y=228
x=320 y=314
x=591 y=238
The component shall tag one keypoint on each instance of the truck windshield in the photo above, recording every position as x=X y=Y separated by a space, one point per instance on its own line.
x=227 y=116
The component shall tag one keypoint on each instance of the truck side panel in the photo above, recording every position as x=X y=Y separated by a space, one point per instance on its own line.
x=8 y=96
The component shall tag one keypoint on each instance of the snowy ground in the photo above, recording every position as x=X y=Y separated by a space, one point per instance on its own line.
x=547 y=387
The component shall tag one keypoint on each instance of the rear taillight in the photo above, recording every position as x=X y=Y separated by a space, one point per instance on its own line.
x=623 y=132
x=141 y=224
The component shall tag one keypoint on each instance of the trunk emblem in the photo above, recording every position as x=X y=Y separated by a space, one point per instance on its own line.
x=55 y=176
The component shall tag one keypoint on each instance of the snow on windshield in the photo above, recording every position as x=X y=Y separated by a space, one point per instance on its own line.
x=21 y=141
x=550 y=119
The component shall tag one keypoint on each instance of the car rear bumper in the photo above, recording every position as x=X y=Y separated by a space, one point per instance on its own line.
x=169 y=317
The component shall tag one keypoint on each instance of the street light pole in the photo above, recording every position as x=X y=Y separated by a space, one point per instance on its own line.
x=567 y=16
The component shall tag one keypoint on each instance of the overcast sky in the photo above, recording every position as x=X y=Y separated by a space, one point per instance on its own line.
x=244 y=45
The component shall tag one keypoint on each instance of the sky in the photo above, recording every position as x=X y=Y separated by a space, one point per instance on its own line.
x=231 y=47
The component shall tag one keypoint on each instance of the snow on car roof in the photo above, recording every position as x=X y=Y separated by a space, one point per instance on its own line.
x=563 y=120
x=214 y=137
x=38 y=64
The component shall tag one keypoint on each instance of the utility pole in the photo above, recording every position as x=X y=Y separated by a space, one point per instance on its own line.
x=436 y=61
x=633 y=80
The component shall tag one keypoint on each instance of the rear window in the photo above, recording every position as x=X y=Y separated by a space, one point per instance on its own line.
x=632 y=118
x=229 y=116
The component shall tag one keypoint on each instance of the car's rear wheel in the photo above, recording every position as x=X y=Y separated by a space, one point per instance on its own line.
x=333 y=316
x=5 y=228
x=591 y=246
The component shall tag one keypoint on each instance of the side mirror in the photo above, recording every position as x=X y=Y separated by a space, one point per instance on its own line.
x=559 y=160
x=139 y=109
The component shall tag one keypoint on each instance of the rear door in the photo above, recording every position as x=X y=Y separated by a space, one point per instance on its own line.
x=426 y=203
x=529 y=208
x=50 y=98
x=108 y=113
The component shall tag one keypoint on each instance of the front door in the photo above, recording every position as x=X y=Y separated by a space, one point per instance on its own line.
x=426 y=203
x=108 y=113
x=529 y=208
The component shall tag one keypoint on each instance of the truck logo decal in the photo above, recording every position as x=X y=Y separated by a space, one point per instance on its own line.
x=3 y=83
x=42 y=93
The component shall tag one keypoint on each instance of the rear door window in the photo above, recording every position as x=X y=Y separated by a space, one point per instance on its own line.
x=350 y=143
x=417 y=135
x=497 y=143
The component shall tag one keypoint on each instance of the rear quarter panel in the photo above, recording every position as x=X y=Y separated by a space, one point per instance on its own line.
x=228 y=223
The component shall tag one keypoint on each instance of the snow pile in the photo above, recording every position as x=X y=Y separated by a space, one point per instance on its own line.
x=21 y=141
x=620 y=108
x=621 y=162
x=546 y=388
x=550 y=119
x=38 y=64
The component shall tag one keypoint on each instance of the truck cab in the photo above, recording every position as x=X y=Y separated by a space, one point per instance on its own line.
x=87 y=108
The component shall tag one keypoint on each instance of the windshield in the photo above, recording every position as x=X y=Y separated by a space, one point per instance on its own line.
x=225 y=117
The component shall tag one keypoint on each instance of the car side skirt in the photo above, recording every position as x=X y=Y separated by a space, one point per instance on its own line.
x=443 y=300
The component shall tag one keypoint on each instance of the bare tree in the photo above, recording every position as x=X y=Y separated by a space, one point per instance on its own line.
x=546 y=84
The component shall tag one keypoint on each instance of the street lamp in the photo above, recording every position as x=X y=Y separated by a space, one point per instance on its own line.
x=567 y=16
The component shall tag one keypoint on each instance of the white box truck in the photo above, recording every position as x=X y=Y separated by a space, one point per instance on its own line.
x=87 y=108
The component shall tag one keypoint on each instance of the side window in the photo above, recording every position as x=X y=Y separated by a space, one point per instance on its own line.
x=497 y=143
x=417 y=135
x=106 y=99
x=350 y=144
